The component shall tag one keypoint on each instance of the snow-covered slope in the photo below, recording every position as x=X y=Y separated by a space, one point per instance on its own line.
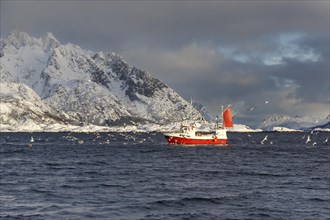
x=80 y=86
x=21 y=107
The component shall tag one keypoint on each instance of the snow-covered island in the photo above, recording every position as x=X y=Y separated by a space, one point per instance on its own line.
x=243 y=128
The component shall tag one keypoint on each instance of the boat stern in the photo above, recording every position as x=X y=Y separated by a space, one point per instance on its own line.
x=221 y=134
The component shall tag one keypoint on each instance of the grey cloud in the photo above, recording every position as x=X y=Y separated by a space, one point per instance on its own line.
x=164 y=24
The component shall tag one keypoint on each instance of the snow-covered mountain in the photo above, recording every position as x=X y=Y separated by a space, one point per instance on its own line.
x=45 y=81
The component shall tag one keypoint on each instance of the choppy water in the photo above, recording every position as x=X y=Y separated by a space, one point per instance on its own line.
x=138 y=176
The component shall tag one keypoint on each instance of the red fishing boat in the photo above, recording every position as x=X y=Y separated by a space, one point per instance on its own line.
x=190 y=135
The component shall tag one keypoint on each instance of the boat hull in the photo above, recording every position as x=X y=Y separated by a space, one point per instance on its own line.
x=192 y=141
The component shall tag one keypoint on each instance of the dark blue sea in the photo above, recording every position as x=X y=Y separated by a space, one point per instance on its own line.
x=138 y=176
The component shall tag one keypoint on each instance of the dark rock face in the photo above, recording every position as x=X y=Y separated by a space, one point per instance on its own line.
x=134 y=81
x=120 y=68
x=140 y=82
x=100 y=77
x=2 y=45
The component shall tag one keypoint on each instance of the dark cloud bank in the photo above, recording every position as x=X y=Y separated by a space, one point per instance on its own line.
x=219 y=52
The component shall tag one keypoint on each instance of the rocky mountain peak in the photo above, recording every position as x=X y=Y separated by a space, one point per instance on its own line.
x=49 y=41
x=20 y=39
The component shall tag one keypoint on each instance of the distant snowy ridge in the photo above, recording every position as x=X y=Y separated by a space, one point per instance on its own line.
x=274 y=122
x=322 y=127
x=44 y=82
x=283 y=129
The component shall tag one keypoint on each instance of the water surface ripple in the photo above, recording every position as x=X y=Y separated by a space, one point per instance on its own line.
x=138 y=176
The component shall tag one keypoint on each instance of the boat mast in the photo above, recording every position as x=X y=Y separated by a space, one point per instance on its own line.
x=222 y=115
x=191 y=109
x=216 y=122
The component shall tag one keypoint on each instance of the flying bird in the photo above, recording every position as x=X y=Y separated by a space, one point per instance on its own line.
x=308 y=139
x=266 y=102
x=326 y=140
x=265 y=139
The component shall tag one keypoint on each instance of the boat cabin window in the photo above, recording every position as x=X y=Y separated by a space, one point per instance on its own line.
x=201 y=133
x=185 y=129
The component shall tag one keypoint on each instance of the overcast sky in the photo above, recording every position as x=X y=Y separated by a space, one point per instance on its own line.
x=218 y=52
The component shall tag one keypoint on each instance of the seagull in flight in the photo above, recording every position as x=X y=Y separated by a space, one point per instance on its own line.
x=265 y=139
x=308 y=139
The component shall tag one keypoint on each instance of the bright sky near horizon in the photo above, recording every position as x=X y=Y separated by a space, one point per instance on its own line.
x=240 y=52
